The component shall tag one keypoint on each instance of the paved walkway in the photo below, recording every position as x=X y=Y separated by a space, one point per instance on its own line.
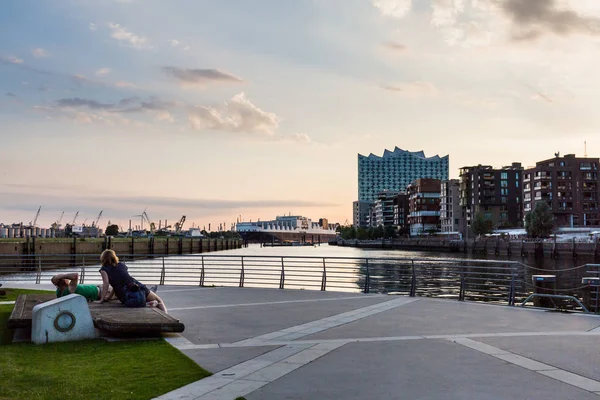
x=268 y=344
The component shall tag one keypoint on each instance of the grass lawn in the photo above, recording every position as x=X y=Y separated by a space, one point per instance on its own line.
x=12 y=294
x=94 y=369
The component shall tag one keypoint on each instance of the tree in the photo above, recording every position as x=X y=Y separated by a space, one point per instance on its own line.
x=389 y=231
x=112 y=230
x=481 y=225
x=540 y=222
x=362 y=234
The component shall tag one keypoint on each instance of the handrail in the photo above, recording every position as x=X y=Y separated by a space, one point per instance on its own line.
x=501 y=281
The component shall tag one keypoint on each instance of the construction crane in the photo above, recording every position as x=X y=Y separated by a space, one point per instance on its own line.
x=75 y=218
x=60 y=219
x=152 y=225
x=179 y=225
x=36 y=217
x=95 y=224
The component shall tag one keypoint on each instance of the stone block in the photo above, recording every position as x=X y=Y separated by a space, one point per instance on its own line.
x=64 y=319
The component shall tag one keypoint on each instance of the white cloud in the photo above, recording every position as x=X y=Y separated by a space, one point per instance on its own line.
x=393 y=8
x=186 y=48
x=11 y=60
x=236 y=115
x=413 y=89
x=164 y=115
x=174 y=42
x=123 y=84
x=103 y=71
x=39 y=53
x=300 y=137
x=93 y=26
x=200 y=77
x=127 y=37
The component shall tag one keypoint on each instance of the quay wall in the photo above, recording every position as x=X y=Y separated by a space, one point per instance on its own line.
x=484 y=246
x=269 y=237
x=13 y=249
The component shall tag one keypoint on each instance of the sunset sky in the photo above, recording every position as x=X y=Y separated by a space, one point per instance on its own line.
x=216 y=109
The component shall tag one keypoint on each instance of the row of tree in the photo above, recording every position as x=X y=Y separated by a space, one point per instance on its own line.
x=538 y=224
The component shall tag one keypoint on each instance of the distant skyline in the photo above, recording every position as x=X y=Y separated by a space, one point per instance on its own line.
x=215 y=109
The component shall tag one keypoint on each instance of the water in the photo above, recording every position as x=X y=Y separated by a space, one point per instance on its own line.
x=347 y=269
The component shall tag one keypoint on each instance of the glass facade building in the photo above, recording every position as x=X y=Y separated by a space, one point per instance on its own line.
x=395 y=170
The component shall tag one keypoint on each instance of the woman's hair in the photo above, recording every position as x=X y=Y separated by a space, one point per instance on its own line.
x=109 y=257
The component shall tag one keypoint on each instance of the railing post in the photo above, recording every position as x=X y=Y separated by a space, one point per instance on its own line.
x=413 y=282
x=461 y=293
x=82 y=275
x=242 y=273
x=324 y=277
x=367 y=277
x=162 y=273
x=202 y=273
x=282 y=277
x=511 y=289
x=38 y=278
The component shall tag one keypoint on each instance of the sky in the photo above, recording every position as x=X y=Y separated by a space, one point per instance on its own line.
x=228 y=109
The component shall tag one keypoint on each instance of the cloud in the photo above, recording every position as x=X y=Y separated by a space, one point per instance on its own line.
x=123 y=84
x=547 y=15
x=128 y=38
x=103 y=71
x=186 y=48
x=300 y=137
x=126 y=105
x=236 y=115
x=39 y=53
x=200 y=77
x=174 y=42
x=393 y=8
x=413 y=89
x=9 y=94
x=93 y=27
x=396 y=47
x=10 y=60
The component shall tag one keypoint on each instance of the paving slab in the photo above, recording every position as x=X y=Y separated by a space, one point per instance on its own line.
x=190 y=296
x=416 y=370
x=578 y=354
x=232 y=324
x=216 y=360
x=432 y=317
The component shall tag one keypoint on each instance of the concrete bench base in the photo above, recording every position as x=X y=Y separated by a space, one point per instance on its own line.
x=110 y=318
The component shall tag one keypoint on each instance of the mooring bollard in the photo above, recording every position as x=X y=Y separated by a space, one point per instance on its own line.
x=543 y=284
x=590 y=293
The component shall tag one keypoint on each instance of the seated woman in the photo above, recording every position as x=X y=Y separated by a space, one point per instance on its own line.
x=128 y=290
x=69 y=283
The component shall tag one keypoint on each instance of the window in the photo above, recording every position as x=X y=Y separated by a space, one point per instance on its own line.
x=504 y=175
x=503 y=184
x=504 y=199
x=504 y=191
x=487 y=215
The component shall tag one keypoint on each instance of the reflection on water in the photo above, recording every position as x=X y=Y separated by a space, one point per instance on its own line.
x=453 y=275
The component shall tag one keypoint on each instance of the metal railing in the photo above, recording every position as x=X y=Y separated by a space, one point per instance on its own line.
x=462 y=279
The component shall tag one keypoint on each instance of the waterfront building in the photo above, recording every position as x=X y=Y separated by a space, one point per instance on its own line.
x=424 y=206
x=361 y=213
x=395 y=170
x=287 y=223
x=401 y=211
x=495 y=193
x=570 y=185
x=384 y=208
x=451 y=214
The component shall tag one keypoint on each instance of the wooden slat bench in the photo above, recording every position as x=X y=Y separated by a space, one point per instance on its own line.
x=111 y=318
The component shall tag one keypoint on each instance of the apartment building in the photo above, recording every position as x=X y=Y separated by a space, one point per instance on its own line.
x=570 y=185
x=424 y=206
x=495 y=193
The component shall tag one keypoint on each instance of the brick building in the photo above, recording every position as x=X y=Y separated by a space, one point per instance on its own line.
x=571 y=187
x=424 y=205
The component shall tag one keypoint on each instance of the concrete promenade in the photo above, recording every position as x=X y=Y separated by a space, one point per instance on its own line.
x=271 y=344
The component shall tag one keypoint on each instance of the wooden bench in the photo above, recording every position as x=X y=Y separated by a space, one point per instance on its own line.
x=111 y=318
